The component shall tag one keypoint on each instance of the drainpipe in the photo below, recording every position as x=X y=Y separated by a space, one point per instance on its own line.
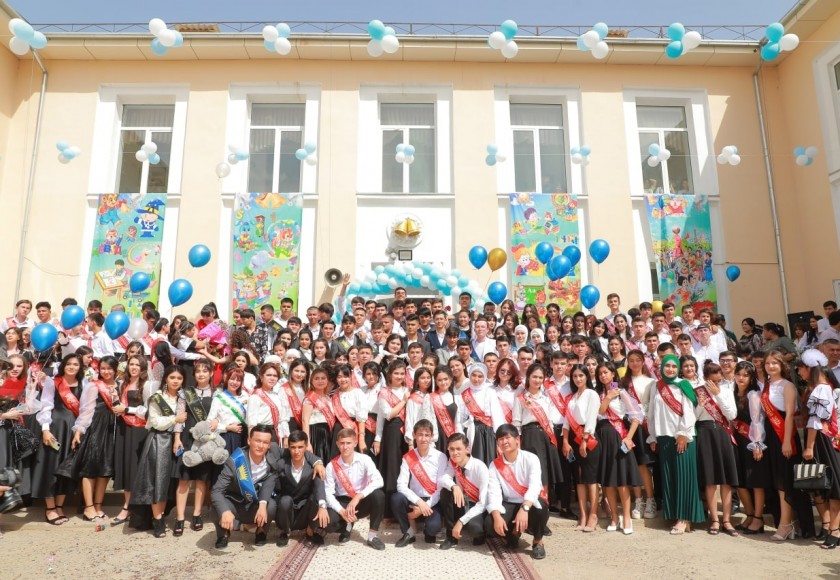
x=27 y=206
x=771 y=189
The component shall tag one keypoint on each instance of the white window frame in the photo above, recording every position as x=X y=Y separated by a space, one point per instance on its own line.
x=406 y=138
x=660 y=140
x=369 y=174
x=278 y=136
x=535 y=131
x=148 y=130
x=828 y=104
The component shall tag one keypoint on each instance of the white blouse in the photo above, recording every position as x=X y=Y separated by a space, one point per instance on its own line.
x=383 y=410
x=48 y=395
x=820 y=406
x=522 y=415
x=584 y=408
x=644 y=387
x=87 y=405
x=220 y=411
x=757 y=433
x=160 y=422
x=416 y=411
x=663 y=422
x=487 y=400
x=354 y=403
x=260 y=414
x=725 y=399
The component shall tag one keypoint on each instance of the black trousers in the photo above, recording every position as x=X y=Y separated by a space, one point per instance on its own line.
x=242 y=513
x=373 y=506
x=400 y=506
x=537 y=520
x=290 y=518
x=450 y=512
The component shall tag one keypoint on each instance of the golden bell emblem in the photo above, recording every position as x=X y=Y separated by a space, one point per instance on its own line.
x=407 y=228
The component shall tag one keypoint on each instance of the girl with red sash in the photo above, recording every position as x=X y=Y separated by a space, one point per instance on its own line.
x=580 y=447
x=748 y=428
x=508 y=385
x=350 y=407
x=481 y=414
x=419 y=405
x=372 y=379
x=778 y=398
x=133 y=348
x=445 y=409
x=93 y=439
x=318 y=416
x=295 y=388
x=617 y=468
x=19 y=388
x=228 y=411
x=671 y=421
x=390 y=444
x=60 y=407
x=640 y=384
x=267 y=404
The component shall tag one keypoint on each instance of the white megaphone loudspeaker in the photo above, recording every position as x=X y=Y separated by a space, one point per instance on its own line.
x=333 y=277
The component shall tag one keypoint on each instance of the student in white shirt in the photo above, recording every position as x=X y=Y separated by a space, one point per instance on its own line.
x=463 y=494
x=100 y=343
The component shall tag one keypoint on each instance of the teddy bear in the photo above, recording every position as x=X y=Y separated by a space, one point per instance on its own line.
x=207 y=446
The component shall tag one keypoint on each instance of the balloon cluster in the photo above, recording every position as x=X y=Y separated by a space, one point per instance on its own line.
x=580 y=155
x=594 y=40
x=805 y=155
x=382 y=39
x=479 y=256
x=681 y=41
x=405 y=153
x=235 y=156
x=729 y=156
x=67 y=152
x=493 y=155
x=502 y=39
x=276 y=38
x=25 y=37
x=733 y=272
x=657 y=155
x=165 y=38
x=778 y=41
x=148 y=152
x=307 y=153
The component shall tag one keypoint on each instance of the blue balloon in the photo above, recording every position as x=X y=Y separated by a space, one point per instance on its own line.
x=560 y=266
x=676 y=31
x=379 y=269
x=116 y=324
x=68 y=154
x=490 y=160
x=573 y=253
x=497 y=292
x=599 y=250
x=509 y=28
x=154 y=158
x=491 y=149
x=179 y=292
x=283 y=30
x=23 y=30
x=544 y=252
x=309 y=147
x=442 y=285
x=585 y=150
x=770 y=51
x=602 y=29
x=199 y=255
x=774 y=32
x=44 y=336
x=674 y=49
x=478 y=257
x=269 y=45
x=581 y=45
x=72 y=317
x=62 y=145
x=589 y=296
x=160 y=50
x=38 y=41
x=800 y=151
x=179 y=40
x=809 y=162
x=409 y=150
x=139 y=281
x=390 y=31
x=301 y=154
x=376 y=29
x=653 y=149
x=733 y=272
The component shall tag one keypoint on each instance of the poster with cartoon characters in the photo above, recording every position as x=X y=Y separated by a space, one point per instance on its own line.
x=266 y=248
x=681 y=234
x=127 y=239
x=536 y=218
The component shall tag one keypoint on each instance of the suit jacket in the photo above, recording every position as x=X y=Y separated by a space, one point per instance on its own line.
x=227 y=489
x=302 y=490
x=427 y=348
x=432 y=339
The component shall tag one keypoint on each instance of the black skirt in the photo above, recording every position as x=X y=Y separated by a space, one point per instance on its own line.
x=154 y=472
x=127 y=451
x=442 y=444
x=203 y=471
x=615 y=468
x=535 y=440
x=94 y=457
x=369 y=437
x=47 y=459
x=642 y=451
x=825 y=453
x=781 y=467
x=484 y=446
x=321 y=439
x=234 y=441
x=6 y=458
x=752 y=474
x=586 y=468
x=392 y=447
x=715 y=455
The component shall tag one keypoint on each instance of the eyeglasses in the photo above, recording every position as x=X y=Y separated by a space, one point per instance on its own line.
x=504 y=371
x=726 y=361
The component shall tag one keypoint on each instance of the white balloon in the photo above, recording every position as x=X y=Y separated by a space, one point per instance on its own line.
x=652 y=161
x=383 y=278
x=13 y=24
x=141 y=156
x=501 y=157
x=789 y=42
x=734 y=159
x=374 y=48
x=497 y=40
x=510 y=49
x=722 y=159
x=168 y=38
x=270 y=33
x=63 y=159
x=601 y=50
x=137 y=329
x=728 y=150
x=812 y=151
x=232 y=158
x=149 y=148
x=312 y=159
x=222 y=170
x=400 y=157
x=691 y=40
x=18 y=46
x=282 y=46
x=156 y=26
x=392 y=284
x=452 y=280
x=409 y=159
x=75 y=150
x=664 y=155
x=417 y=273
x=802 y=160
x=390 y=44
x=424 y=281
x=591 y=38
x=577 y=158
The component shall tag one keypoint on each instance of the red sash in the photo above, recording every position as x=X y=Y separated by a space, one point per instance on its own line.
x=13 y=387
x=507 y=474
x=616 y=422
x=123 y=341
x=539 y=414
x=294 y=403
x=442 y=414
x=775 y=417
x=354 y=380
x=419 y=472
x=416 y=397
x=577 y=429
x=829 y=429
x=669 y=398
x=632 y=390
x=370 y=424
x=409 y=380
x=275 y=412
x=392 y=400
x=342 y=478
x=131 y=420
x=560 y=403
x=322 y=406
x=742 y=428
x=474 y=409
x=105 y=393
x=341 y=414
x=67 y=396
x=469 y=487
x=507 y=409
x=713 y=409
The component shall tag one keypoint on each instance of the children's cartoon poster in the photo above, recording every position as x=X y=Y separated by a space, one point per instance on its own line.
x=536 y=218
x=266 y=248
x=126 y=239
x=681 y=234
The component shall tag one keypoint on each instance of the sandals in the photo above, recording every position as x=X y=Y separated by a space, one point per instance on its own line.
x=99 y=513
x=57 y=520
x=178 y=530
x=61 y=516
x=92 y=518
x=781 y=537
x=831 y=541
x=713 y=531
x=746 y=524
x=679 y=528
x=118 y=521
x=824 y=532
x=731 y=531
x=159 y=528
x=197 y=524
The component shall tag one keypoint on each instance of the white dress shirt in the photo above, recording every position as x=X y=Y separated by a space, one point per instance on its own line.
x=383 y=410
x=259 y=413
x=663 y=422
x=584 y=408
x=488 y=402
x=434 y=464
x=479 y=475
x=416 y=411
x=102 y=345
x=527 y=471
x=220 y=411
x=363 y=476
x=725 y=399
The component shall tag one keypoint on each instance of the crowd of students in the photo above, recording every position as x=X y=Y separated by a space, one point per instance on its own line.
x=485 y=422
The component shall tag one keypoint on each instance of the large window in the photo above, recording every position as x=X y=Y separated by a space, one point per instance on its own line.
x=276 y=133
x=539 y=147
x=667 y=127
x=140 y=124
x=412 y=124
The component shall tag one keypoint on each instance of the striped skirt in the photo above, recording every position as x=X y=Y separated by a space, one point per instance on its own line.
x=680 y=489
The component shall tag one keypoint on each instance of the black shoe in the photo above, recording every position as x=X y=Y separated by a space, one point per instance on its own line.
x=344 y=536
x=448 y=543
x=315 y=539
x=178 y=530
x=479 y=541
x=568 y=514
x=513 y=541
x=546 y=531
x=553 y=509
x=538 y=552
x=221 y=542
x=405 y=540
x=376 y=543
x=283 y=540
x=197 y=524
x=159 y=527
x=430 y=539
x=259 y=539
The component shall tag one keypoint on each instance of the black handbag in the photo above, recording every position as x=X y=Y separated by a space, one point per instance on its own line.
x=24 y=442
x=812 y=476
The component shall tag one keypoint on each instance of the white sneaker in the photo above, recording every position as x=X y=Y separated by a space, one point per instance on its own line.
x=650 y=509
x=636 y=513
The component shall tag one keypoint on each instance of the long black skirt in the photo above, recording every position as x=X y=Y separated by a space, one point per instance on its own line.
x=716 y=463
x=392 y=447
x=484 y=446
x=752 y=474
x=442 y=443
x=234 y=441
x=6 y=459
x=127 y=451
x=615 y=468
x=155 y=470
x=369 y=437
x=825 y=453
x=94 y=457
x=535 y=440
x=47 y=459
x=642 y=451
x=586 y=468
x=321 y=439
x=781 y=467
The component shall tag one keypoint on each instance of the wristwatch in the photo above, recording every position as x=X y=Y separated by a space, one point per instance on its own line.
x=322 y=504
x=527 y=508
